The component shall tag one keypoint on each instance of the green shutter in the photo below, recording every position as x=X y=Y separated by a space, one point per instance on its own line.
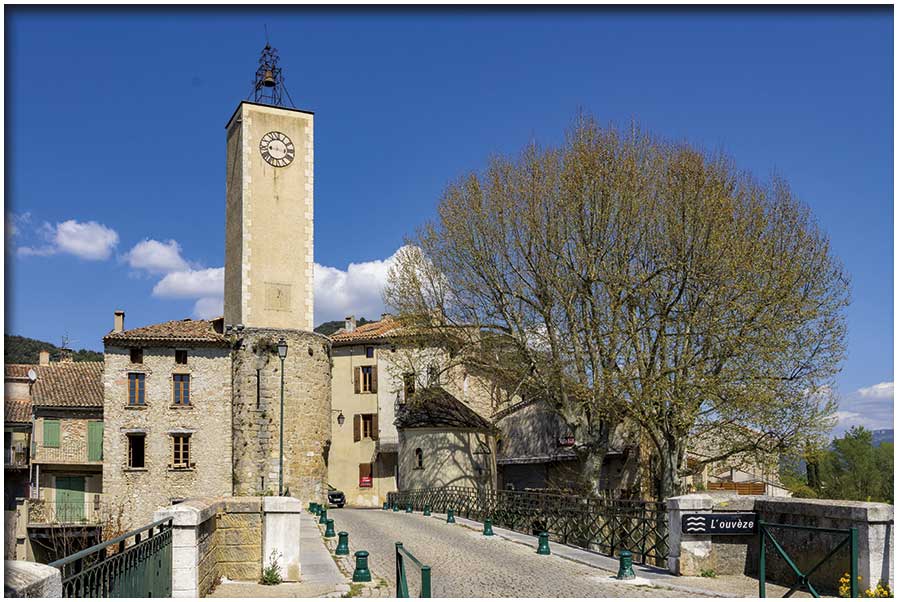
x=95 y=441
x=51 y=433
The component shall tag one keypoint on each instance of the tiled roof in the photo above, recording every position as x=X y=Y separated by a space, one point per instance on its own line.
x=17 y=410
x=69 y=384
x=382 y=329
x=13 y=371
x=436 y=407
x=175 y=331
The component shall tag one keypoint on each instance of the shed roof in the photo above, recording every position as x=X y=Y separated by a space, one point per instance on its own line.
x=434 y=407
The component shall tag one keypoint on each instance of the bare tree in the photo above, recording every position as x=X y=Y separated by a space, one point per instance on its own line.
x=632 y=281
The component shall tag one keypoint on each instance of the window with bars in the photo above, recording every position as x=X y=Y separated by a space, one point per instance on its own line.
x=180 y=450
x=136 y=450
x=136 y=388
x=181 y=389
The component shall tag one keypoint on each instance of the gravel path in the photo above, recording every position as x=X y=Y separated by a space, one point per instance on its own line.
x=466 y=564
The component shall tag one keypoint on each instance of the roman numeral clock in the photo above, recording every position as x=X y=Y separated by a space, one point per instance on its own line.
x=277 y=149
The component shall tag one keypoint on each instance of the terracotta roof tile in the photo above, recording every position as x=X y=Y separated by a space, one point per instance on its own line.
x=382 y=329
x=436 y=407
x=17 y=410
x=177 y=331
x=69 y=384
x=18 y=370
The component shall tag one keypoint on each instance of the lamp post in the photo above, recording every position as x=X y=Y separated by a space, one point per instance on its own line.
x=282 y=353
x=340 y=417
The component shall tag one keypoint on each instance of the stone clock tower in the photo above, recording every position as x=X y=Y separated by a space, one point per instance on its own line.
x=269 y=296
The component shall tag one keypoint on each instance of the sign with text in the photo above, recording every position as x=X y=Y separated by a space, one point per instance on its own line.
x=742 y=523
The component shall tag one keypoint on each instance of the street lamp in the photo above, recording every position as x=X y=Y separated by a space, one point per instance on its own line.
x=340 y=417
x=282 y=353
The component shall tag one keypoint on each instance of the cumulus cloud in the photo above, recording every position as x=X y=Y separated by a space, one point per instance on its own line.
x=885 y=390
x=157 y=257
x=208 y=307
x=189 y=284
x=871 y=407
x=357 y=290
x=88 y=240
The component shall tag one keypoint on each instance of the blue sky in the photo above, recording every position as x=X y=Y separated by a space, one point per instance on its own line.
x=115 y=140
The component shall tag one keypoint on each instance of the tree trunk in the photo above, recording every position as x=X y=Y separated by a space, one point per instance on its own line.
x=592 y=471
x=670 y=483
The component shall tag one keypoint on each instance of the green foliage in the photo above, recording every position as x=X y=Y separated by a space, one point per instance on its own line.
x=329 y=328
x=710 y=573
x=23 y=350
x=271 y=574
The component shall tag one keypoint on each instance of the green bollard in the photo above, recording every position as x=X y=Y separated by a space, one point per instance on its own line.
x=323 y=517
x=488 y=527
x=426 y=509
x=408 y=508
x=342 y=544
x=317 y=509
x=450 y=516
x=361 y=572
x=543 y=547
x=329 y=529
x=395 y=507
x=310 y=507
x=626 y=566
x=386 y=506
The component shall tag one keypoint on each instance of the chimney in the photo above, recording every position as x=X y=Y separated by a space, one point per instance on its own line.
x=44 y=358
x=349 y=324
x=119 y=322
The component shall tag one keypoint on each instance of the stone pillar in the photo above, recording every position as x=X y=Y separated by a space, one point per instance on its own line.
x=189 y=546
x=31 y=580
x=686 y=552
x=280 y=520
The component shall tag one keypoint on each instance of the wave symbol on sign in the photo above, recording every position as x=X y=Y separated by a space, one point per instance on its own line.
x=695 y=524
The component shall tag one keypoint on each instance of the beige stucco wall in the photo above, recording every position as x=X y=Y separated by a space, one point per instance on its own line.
x=208 y=418
x=269 y=263
x=449 y=459
x=17 y=389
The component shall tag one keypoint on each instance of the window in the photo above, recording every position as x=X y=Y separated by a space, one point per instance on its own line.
x=419 y=458
x=51 y=433
x=180 y=356
x=364 y=426
x=180 y=451
x=365 y=379
x=136 y=388
x=365 y=479
x=369 y=352
x=181 y=393
x=367 y=426
x=433 y=375
x=136 y=355
x=408 y=380
x=136 y=447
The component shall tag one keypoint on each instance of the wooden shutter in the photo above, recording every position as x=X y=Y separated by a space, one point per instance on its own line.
x=357 y=427
x=374 y=426
x=51 y=433
x=374 y=379
x=94 y=440
x=358 y=381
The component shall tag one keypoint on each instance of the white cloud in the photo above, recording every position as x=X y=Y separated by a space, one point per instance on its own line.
x=208 y=307
x=885 y=390
x=871 y=407
x=88 y=240
x=357 y=290
x=188 y=284
x=157 y=257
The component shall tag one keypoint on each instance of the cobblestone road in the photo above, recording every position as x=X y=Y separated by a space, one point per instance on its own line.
x=467 y=564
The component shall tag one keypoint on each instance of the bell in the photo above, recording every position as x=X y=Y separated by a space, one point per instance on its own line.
x=268 y=80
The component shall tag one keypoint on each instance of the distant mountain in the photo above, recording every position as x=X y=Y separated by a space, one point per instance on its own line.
x=883 y=436
x=329 y=328
x=23 y=350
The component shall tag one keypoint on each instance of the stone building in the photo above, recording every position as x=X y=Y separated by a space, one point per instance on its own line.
x=18 y=382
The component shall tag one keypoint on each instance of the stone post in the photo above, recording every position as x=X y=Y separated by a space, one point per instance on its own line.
x=280 y=523
x=686 y=551
x=189 y=545
x=31 y=580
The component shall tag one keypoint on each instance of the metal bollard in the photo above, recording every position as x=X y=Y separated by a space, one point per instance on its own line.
x=395 y=507
x=488 y=527
x=386 y=506
x=361 y=572
x=329 y=529
x=408 y=508
x=426 y=509
x=626 y=566
x=450 y=515
x=323 y=517
x=342 y=544
x=317 y=509
x=311 y=504
x=543 y=547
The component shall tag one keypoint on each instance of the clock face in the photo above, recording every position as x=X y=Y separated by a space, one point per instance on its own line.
x=277 y=149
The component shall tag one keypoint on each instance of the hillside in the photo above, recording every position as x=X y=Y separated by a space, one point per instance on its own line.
x=329 y=328
x=23 y=350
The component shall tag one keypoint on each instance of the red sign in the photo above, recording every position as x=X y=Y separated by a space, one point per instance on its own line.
x=364 y=481
x=567 y=441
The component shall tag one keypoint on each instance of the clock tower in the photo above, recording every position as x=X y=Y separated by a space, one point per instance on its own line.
x=269 y=261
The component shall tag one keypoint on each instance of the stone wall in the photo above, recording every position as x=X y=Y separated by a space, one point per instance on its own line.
x=139 y=492
x=256 y=380
x=449 y=459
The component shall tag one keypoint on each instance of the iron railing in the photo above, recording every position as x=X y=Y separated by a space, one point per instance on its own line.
x=802 y=578
x=119 y=569
x=42 y=512
x=67 y=452
x=15 y=457
x=607 y=526
x=402 y=576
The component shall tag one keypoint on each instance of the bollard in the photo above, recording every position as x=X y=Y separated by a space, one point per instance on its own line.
x=361 y=572
x=408 y=508
x=395 y=507
x=488 y=527
x=311 y=505
x=317 y=510
x=386 y=506
x=426 y=509
x=342 y=544
x=543 y=547
x=329 y=529
x=626 y=566
x=323 y=517
x=450 y=515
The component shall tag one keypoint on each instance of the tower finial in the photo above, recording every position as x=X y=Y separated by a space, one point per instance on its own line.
x=268 y=87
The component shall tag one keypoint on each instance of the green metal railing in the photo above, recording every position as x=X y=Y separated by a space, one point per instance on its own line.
x=119 y=569
x=607 y=526
x=803 y=578
x=402 y=578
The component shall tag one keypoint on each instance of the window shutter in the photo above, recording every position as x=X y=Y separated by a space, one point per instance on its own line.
x=94 y=441
x=51 y=433
x=357 y=427
x=374 y=379
x=358 y=381
x=374 y=432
